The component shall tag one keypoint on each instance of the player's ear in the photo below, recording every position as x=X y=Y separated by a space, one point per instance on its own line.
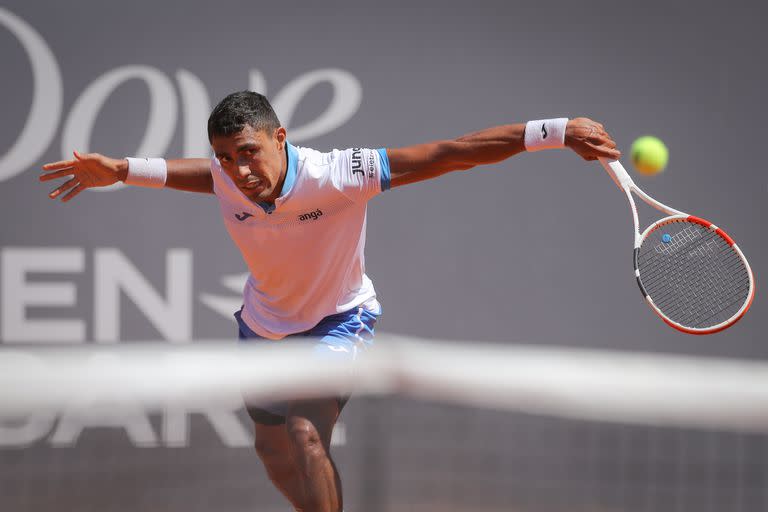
x=280 y=136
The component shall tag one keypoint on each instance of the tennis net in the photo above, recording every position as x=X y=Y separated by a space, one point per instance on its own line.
x=448 y=426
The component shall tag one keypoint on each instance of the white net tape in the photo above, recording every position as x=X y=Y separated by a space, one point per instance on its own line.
x=571 y=383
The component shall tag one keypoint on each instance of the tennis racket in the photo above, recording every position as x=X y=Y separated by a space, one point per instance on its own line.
x=691 y=273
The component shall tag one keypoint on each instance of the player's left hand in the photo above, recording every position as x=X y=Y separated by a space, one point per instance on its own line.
x=85 y=171
x=589 y=139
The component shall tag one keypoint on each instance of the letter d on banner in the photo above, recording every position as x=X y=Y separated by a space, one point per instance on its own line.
x=47 y=99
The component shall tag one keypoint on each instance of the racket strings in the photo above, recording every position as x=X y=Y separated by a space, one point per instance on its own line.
x=677 y=243
x=728 y=269
x=654 y=261
x=714 y=299
x=699 y=314
x=734 y=282
x=695 y=277
x=716 y=311
x=710 y=303
x=730 y=264
x=720 y=315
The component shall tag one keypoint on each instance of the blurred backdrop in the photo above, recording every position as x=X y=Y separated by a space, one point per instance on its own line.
x=536 y=249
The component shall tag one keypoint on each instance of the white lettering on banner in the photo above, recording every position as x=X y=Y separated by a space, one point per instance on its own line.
x=197 y=108
x=17 y=294
x=134 y=421
x=257 y=82
x=222 y=417
x=24 y=431
x=47 y=98
x=347 y=96
x=162 y=111
x=114 y=274
x=92 y=412
x=46 y=110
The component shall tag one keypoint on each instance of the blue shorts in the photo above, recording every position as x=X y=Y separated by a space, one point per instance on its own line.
x=341 y=336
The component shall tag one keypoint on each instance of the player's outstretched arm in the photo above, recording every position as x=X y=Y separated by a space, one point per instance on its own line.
x=94 y=170
x=417 y=163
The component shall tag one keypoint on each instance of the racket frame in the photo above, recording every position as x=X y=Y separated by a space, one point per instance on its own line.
x=625 y=183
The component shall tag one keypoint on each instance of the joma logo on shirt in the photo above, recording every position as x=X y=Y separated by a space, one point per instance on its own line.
x=311 y=215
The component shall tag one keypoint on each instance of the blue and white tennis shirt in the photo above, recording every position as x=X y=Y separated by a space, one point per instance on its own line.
x=305 y=253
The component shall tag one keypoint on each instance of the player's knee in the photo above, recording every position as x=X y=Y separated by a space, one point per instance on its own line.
x=304 y=437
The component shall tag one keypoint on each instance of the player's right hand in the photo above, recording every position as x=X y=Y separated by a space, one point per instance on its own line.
x=589 y=139
x=85 y=171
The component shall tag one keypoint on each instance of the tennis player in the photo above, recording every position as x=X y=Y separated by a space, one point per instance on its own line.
x=298 y=217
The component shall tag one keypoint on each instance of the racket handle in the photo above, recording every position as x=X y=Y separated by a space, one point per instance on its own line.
x=617 y=173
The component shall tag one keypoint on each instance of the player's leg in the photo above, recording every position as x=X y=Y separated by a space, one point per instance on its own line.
x=274 y=449
x=271 y=437
x=309 y=425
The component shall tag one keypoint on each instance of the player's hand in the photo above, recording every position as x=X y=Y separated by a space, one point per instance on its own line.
x=590 y=140
x=85 y=171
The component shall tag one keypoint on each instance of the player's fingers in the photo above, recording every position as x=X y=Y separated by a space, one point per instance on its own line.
x=602 y=151
x=79 y=188
x=61 y=164
x=63 y=188
x=87 y=156
x=56 y=174
x=609 y=152
x=598 y=145
x=601 y=141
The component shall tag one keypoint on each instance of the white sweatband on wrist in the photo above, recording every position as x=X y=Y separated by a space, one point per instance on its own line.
x=147 y=172
x=545 y=134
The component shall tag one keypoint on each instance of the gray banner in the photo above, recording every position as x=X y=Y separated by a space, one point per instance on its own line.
x=536 y=249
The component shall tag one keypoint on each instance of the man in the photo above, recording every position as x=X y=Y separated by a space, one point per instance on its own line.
x=298 y=217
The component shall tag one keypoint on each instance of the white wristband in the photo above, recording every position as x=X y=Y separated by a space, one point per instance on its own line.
x=147 y=172
x=545 y=134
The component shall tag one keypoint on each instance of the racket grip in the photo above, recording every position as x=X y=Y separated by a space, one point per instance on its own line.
x=617 y=173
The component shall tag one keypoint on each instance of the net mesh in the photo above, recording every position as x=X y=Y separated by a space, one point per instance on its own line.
x=692 y=274
x=632 y=440
x=485 y=460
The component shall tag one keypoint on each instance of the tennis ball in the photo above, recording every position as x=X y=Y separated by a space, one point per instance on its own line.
x=649 y=155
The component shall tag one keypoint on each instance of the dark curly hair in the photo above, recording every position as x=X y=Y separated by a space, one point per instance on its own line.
x=239 y=109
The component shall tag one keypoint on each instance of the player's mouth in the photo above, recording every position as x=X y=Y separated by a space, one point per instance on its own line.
x=253 y=186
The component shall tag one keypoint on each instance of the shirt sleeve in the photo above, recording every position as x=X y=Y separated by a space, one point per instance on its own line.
x=361 y=173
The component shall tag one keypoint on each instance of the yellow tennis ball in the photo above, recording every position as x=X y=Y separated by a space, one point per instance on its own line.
x=649 y=155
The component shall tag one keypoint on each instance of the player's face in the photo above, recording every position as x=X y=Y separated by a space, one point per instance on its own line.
x=255 y=161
